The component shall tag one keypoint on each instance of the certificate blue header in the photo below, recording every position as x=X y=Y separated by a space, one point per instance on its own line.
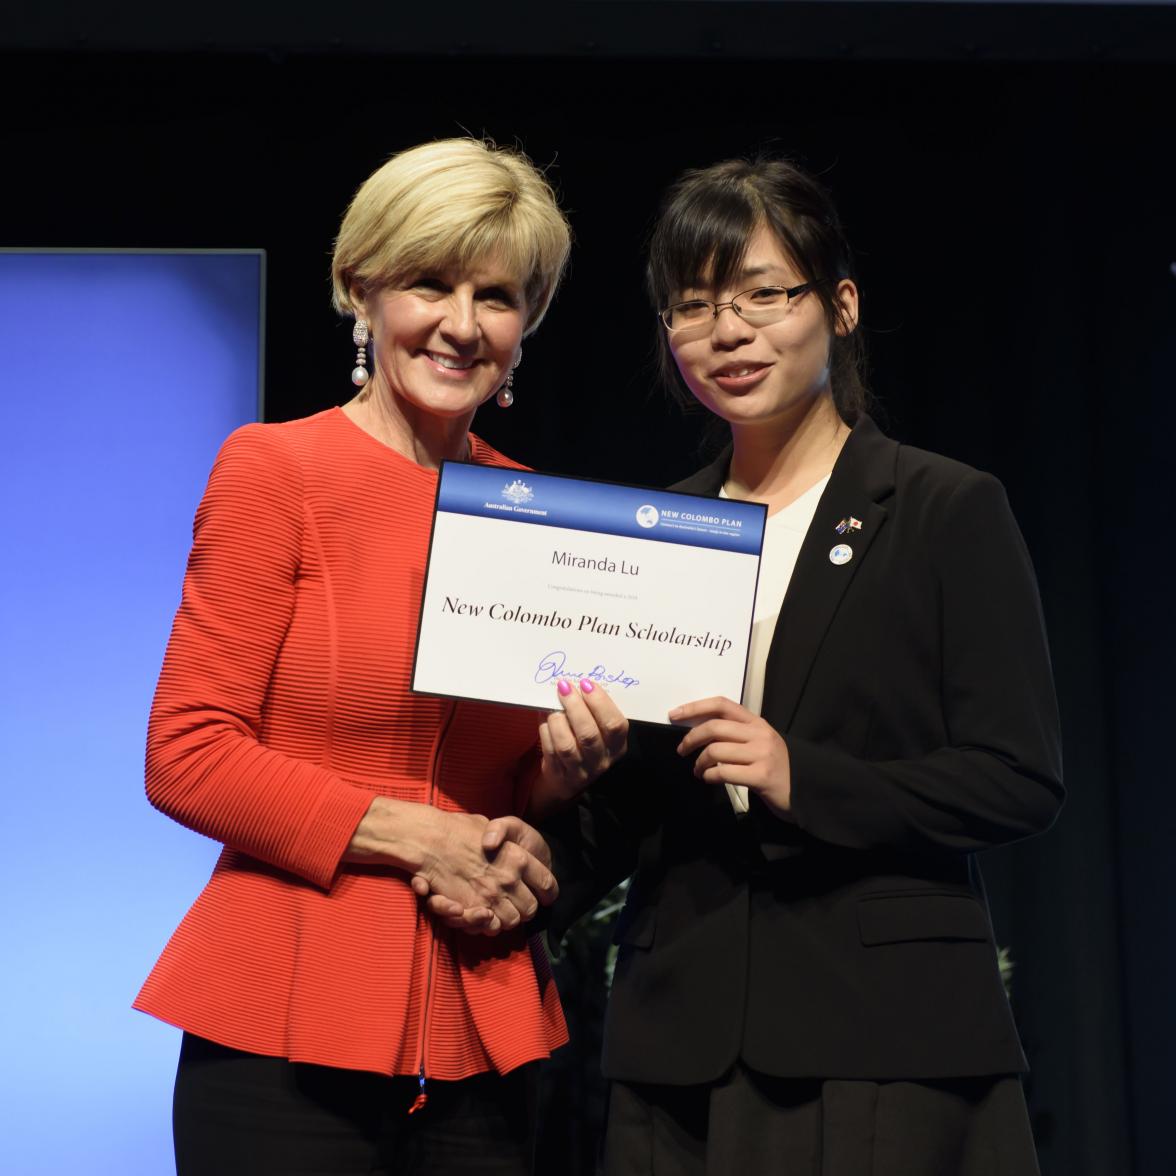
x=605 y=508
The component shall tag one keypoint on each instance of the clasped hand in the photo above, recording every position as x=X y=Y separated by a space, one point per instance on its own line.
x=577 y=744
x=487 y=876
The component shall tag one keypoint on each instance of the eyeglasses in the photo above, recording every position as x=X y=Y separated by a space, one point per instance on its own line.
x=763 y=305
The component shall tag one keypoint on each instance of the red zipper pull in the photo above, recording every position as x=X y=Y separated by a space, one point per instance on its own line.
x=422 y=1097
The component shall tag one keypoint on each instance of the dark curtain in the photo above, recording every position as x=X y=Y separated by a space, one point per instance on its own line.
x=1016 y=226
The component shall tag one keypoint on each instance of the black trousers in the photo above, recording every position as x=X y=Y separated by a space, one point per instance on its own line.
x=240 y=1114
x=750 y=1124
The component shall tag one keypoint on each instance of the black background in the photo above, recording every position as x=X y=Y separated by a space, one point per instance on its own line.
x=1006 y=175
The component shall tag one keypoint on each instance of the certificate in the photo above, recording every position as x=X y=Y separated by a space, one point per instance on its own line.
x=536 y=577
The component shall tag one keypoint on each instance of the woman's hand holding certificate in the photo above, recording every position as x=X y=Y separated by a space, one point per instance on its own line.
x=579 y=743
x=738 y=748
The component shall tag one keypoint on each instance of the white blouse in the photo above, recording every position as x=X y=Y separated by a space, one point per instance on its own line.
x=783 y=534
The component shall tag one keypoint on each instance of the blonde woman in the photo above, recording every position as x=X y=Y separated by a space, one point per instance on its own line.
x=332 y=1023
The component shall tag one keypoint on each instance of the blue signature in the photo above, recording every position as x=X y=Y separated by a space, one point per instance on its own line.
x=553 y=665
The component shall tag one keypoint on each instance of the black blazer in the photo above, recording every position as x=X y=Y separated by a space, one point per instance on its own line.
x=913 y=688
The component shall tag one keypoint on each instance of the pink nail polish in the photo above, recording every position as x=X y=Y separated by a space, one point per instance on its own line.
x=563 y=688
x=586 y=686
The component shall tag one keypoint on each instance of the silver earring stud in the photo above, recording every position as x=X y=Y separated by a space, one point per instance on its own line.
x=360 y=336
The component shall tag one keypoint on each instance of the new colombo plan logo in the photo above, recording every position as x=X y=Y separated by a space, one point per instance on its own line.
x=647 y=516
x=518 y=492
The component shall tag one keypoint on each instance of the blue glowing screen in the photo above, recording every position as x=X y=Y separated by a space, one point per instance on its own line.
x=120 y=375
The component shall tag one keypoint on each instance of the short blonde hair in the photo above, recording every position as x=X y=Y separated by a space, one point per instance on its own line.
x=452 y=203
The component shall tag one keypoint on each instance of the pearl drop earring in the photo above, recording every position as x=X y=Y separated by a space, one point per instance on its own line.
x=505 y=397
x=360 y=336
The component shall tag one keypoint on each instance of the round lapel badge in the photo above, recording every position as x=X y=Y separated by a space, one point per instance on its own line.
x=841 y=554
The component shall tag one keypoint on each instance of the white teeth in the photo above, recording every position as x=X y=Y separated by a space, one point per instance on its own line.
x=450 y=361
x=740 y=372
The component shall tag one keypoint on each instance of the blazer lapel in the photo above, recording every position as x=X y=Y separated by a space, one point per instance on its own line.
x=709 y=480
x=861 y=479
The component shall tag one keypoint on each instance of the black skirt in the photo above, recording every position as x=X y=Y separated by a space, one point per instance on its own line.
x=749 y=1124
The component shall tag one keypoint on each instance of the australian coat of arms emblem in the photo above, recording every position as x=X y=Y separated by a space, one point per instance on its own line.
x=518 y=492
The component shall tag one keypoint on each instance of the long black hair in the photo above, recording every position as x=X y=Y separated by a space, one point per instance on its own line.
x=703 y=228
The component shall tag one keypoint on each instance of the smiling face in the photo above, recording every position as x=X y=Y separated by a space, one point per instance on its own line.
x=758 y=374
x=444 y=342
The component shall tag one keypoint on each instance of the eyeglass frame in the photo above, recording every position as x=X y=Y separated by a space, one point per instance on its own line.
x=790 y=292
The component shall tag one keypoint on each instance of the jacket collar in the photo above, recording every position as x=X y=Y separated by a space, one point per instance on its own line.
x=867 y=454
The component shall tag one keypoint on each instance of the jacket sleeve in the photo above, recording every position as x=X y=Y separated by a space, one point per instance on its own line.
x=205 y=765
x=997 y=777
x=595 y=842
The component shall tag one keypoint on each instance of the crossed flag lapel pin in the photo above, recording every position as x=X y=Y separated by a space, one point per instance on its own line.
x=843 y=553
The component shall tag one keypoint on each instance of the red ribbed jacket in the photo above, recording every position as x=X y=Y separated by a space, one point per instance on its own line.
x=282 y=707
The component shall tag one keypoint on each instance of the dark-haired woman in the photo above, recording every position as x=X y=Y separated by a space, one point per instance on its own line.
x=807 y=980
